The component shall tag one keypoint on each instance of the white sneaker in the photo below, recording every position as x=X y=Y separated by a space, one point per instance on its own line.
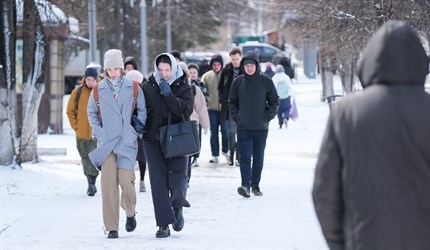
x=142 y=187
x=214 y=159
x=286 y=123
x=226 y=155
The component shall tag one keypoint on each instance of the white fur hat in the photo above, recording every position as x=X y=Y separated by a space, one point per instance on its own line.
x=134 y=75
x=113 y=59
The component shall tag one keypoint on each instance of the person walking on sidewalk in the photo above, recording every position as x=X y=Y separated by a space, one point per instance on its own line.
x=166 y=91
x=200 y=114
x=78 y=118
x=284 y=87
x=110 y=113
x=228 y=74
x=372 y=177
x=211 y=80
x=252 y=103
x=200 y=110
x=135 y=76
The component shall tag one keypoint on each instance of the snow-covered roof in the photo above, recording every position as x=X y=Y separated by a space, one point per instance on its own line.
x=49 y=13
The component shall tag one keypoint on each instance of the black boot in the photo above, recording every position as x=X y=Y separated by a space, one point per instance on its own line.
x=179 y=219
x=92 y=190
x=130 y=225
x=163 y=232
x=113 y=234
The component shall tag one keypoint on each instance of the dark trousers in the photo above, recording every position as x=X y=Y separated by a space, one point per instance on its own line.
x=215 y=123
x=168 y=179
x=84 y=148
x=142 y=169
x=284 y=110
x=251 y=143
x=232 y=143
x=194 y=156
x=141 y=159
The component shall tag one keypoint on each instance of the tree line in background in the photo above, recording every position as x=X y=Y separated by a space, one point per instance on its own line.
x=338 y=28
x=341 y=28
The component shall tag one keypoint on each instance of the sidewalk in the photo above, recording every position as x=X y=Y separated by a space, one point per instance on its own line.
x=44 y=205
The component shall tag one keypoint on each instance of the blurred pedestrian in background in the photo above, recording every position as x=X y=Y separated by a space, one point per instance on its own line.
x=211 y=80
x=136 y=76
x=228 y=74
x=78 y=118
x=284 y=87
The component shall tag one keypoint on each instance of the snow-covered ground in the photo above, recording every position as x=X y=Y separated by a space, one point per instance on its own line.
x=44 y=205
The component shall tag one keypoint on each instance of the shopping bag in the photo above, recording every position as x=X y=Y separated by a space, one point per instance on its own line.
x=294 y=114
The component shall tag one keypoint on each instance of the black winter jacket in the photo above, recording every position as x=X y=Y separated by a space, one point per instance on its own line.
x=372 y=178
x=253 y=99
x=224 y=85
x=158 y=106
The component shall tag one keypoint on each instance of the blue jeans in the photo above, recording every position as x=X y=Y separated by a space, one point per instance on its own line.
x=284 y=110
x=215 y=123
x=251 y=143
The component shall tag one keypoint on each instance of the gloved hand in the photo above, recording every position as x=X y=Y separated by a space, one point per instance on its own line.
x=205 y=131
x=165 y=88
x=138 y=125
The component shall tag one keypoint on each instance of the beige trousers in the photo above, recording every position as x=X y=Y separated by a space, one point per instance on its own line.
x=111 y=177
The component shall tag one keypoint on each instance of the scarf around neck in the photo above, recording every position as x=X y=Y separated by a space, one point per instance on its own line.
x=115 y=85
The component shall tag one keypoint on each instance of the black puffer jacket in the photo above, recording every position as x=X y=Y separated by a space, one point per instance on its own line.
x=372 y=179
x=253 y=99
x=158 y=106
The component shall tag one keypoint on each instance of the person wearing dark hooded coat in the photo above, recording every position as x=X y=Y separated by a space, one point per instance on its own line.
x=252 y=103
x=164 y=90
x=372 y=178
x=130 y=64
x=228 y=74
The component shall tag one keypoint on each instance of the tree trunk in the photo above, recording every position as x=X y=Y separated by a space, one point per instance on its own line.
x=326 y=69
x=346 y=75
x=8 y=138
x=34 y=60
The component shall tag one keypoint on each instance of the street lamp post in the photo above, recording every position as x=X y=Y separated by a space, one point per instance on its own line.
x=168 y=29
x=143 y=46
x=92 y=29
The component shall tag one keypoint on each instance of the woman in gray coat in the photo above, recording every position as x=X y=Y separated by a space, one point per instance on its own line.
x=110 y=116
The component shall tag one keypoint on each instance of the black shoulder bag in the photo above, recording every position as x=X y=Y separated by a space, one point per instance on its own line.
x=179 y=139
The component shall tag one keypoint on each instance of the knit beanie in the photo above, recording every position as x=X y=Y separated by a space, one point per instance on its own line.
x=91 y=72
x=279 y=69
x=113 y=59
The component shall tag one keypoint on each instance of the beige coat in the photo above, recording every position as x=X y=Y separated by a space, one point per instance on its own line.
x=200 y=111
x=211 y=79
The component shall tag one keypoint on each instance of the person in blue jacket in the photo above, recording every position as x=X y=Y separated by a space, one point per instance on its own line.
x=116 y=129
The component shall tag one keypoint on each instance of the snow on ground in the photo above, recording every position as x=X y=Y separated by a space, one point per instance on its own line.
x=44 y=205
